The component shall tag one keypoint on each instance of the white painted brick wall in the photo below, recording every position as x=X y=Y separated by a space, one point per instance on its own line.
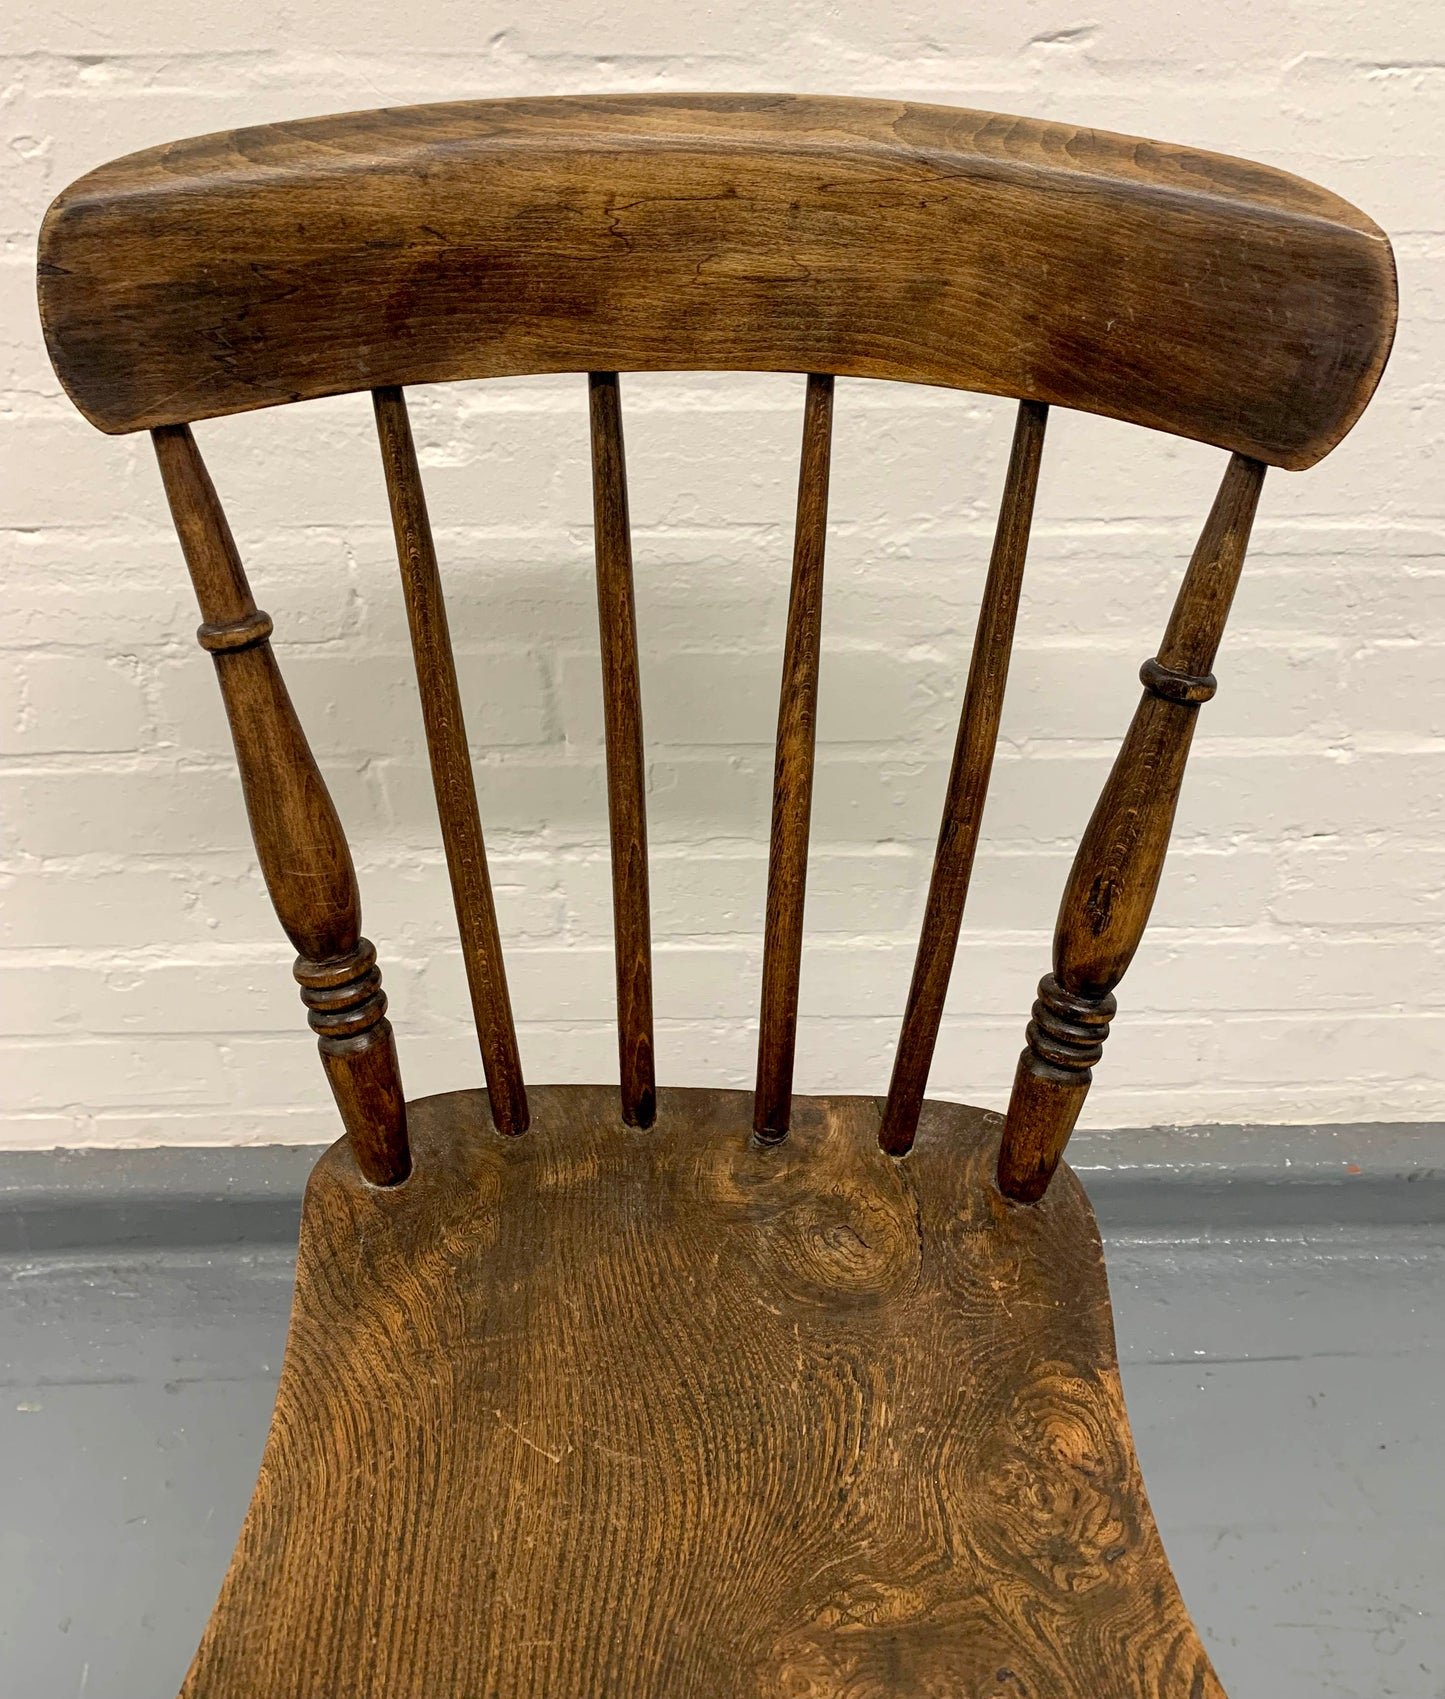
x=1293 y=972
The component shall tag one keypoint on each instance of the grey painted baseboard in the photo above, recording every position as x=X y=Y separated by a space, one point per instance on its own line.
x=178 y=1196
x=1345 y=1174
x=1150 y=1179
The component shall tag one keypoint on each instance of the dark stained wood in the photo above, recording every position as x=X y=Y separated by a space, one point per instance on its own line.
x=299 y=841
x=1120 y=857
x=626 y=773
x=1193 y=293
x=703 y=1414
x=451 y=765
x=678 y=1416
x=793 y=772
x=967 y=784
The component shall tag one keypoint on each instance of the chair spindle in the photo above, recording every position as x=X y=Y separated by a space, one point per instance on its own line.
x=967 y=785
x=299 y=841
x=793 y=774
x=626 y=772
x=451 y=764
x=1116 y=870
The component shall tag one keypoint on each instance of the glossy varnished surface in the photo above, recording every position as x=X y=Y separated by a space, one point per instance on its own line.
x=598 y=1411
x=1180 y=289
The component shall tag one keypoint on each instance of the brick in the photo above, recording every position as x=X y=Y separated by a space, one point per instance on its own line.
x=313 y=1124
x=24 y=368
x=152 y=809
x=1395 y=689
x=87 y=903
x=524 y=794
x=710 y=697
x=721 y=891
x=353 y=702
x=228 y=996
x=100 y=1073
x=407 y=902
x=58 y=466
x=273 y=1071
x=1352 y=888
x=60 y=704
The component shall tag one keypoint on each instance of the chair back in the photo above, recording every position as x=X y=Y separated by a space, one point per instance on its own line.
x=1183 y=291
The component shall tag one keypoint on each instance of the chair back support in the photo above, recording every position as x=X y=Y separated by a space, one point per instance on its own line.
x=1187 y=292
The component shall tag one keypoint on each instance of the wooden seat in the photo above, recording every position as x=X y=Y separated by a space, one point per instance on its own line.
x=602 y=1411
x=601 y=1394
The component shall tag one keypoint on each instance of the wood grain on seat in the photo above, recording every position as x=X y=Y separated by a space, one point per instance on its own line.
x=607 y=1414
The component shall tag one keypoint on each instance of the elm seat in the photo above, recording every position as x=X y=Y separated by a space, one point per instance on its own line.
x=596 y=1394
x=608 y=1411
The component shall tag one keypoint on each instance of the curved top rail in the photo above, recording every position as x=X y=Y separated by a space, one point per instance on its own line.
x=1186 y=291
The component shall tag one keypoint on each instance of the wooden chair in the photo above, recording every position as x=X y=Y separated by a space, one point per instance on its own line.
x=693 y=1394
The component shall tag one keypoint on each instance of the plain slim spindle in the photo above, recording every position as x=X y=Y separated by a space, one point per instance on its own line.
x=626 y=774
x=451 y=764
x=967 y=784
x=793 y=774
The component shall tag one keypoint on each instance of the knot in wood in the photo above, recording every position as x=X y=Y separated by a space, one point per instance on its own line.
x=1068 y=1028
x=1172 y=686
x=244 y=633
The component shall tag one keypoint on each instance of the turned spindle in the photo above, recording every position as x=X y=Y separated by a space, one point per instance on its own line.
x=1116 y=870
x=299 y=841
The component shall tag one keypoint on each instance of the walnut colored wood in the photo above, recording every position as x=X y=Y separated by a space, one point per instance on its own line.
x=451 y=765
x=1120 y=857
x=1193 y=293
x=299 y=842
x=626 y=772
x=707 y=1413
x=680 y=1416
x=793 y=773
x=967 y=784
